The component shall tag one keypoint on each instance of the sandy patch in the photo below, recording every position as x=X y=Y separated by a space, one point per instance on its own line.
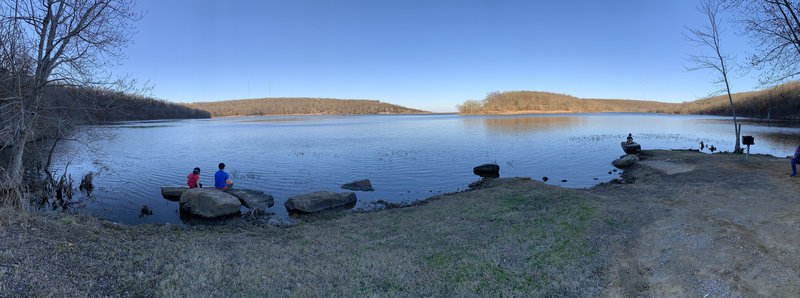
x=668 y=167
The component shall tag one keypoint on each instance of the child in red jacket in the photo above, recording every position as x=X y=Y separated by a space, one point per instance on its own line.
x=193 y=178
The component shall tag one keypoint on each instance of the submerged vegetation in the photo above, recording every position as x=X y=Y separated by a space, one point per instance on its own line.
x=779 y=102
x=300 y=106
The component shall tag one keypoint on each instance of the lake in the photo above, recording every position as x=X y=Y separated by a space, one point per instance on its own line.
x=406 y=157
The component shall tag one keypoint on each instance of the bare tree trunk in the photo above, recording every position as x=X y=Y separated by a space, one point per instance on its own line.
x=736 y=126
x=16 y=167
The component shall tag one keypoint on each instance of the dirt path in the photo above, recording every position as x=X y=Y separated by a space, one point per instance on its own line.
x=729 y=227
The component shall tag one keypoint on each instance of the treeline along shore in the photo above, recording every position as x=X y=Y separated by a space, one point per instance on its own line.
x=300 y=106
x=89 y=106
x=61 y=109
x=779 y=102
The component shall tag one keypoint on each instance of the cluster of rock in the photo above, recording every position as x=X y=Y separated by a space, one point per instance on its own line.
x=212 y=202
x=625 y=161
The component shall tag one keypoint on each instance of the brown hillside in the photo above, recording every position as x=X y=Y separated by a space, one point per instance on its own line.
x=300 y=106
x=780 y=102
x=546 y=102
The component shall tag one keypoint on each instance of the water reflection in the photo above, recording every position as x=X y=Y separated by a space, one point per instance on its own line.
x=279 y=119
x=781 y=138
x=522 y=124
x=771 y=123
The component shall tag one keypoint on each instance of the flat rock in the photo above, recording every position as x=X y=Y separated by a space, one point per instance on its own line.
x=253 y=199
x=209 y=202
x=320 y=201
x=625 y=161
x=173 y=193
x=362 y=185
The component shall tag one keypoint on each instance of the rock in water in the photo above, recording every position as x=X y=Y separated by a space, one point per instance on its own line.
x=625 y=161
x=362 y=185
x=253 y=199
x=209 y=202
x=319 y=201
x=173 y=193
x=488 y=170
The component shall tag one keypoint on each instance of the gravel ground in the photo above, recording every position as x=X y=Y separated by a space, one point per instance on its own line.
x=727 y=227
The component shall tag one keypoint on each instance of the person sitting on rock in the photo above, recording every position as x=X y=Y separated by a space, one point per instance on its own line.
x=630 y=139
x=795 y=161
x=193 y=179
x=221 y=180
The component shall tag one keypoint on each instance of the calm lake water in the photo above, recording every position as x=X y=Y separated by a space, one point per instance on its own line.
x=407 y=157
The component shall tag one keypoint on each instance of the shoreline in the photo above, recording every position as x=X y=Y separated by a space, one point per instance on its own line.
x=538 y=112
x=511 y=236
x=321 y=114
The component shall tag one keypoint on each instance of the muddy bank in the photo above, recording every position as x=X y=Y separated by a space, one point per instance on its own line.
x=679 y=223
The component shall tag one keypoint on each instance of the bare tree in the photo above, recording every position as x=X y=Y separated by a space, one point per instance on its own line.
x=68 y=43
x=709 y=37
x=773 y=27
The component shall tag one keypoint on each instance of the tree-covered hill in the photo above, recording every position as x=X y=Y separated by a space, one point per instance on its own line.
x=300 y=106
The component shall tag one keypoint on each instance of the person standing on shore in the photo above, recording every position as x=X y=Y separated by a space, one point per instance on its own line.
x=221 y=180
x=795 y=161
x=193 y=179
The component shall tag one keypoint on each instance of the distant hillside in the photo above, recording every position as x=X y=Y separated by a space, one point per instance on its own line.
x=780 y=102
x=300 y=106
x=545 y=102
x=87 y=105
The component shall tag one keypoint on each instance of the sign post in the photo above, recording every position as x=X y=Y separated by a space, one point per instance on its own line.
x=748 y=140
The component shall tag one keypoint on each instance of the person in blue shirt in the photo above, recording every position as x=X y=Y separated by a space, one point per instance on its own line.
x=795 y=161
x=221 y=180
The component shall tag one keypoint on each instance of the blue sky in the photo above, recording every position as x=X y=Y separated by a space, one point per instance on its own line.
x=429 y=55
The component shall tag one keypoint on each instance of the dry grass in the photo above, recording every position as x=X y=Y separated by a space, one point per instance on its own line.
x=12 y=203
x=518 y=238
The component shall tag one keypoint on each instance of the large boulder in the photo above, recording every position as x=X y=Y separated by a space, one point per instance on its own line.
x=362 y=185
x=173 y=193
x=253 y=199
x=209 y=202
x=319 y=201
x=625 y=161
x=488 y=170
